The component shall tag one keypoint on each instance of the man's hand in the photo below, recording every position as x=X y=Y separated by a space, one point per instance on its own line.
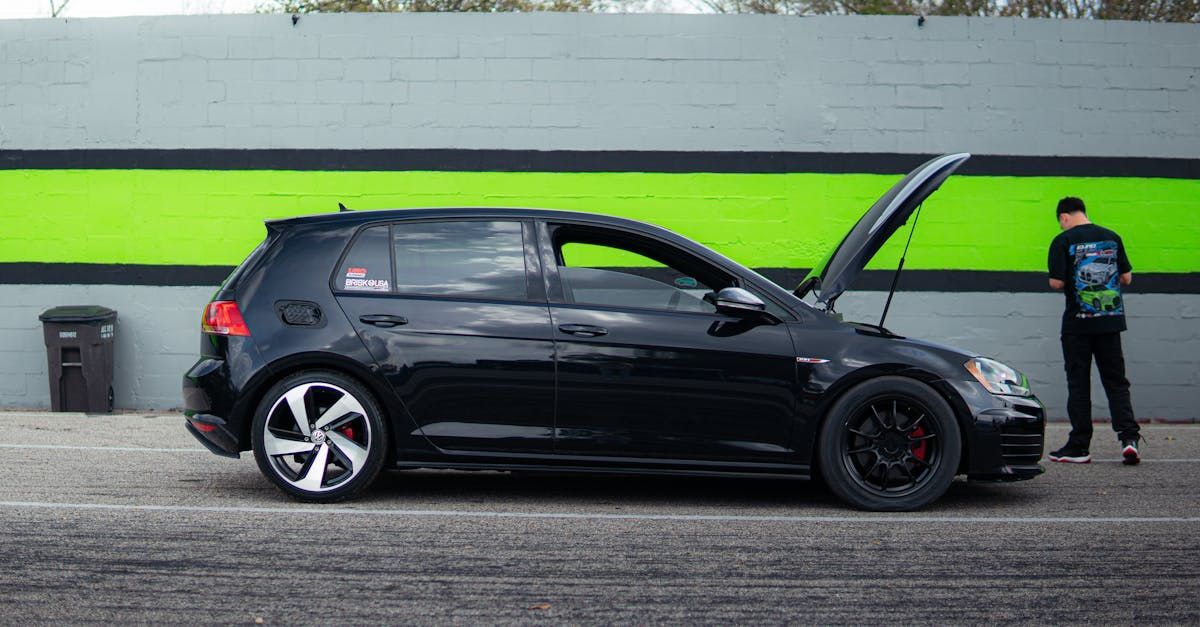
x=1126 y=278
x=1057 y=284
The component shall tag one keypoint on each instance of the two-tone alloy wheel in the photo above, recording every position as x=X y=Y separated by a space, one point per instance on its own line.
x=319 y=436
x=890 y=444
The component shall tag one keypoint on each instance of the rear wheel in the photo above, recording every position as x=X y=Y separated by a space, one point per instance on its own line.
x=890 y=444
x=319 y=436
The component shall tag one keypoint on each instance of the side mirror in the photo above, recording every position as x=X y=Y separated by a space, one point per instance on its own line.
x=736 y=301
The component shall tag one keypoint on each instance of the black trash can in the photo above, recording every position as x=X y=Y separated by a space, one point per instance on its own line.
x=79 y=350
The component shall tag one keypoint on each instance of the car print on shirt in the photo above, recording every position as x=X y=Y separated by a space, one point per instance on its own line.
x=1097 y=284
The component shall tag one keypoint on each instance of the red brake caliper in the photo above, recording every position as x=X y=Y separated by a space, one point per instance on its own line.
x=348 y=431
x=918 y=449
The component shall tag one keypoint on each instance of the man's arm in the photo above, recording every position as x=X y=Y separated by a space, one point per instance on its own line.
x=1123 y=265
x=1056 y=263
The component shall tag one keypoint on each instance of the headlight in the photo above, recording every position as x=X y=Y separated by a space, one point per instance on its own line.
x=997 y=377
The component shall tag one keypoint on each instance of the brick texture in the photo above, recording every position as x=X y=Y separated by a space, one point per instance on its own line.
x=665 y=82
x=653 y=82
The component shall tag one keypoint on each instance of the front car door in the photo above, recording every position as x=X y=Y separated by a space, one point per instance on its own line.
x=646 y=367
x=454 y=313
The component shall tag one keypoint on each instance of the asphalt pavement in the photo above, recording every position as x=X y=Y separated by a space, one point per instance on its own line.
x=126 y=518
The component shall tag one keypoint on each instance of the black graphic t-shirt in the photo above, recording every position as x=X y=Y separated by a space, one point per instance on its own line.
x=1090 y=259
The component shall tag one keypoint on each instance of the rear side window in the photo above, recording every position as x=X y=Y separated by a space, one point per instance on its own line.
x=476 y=258
x=368 y=266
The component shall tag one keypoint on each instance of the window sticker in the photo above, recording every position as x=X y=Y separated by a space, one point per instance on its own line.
x=368 y=285
x=356 y=279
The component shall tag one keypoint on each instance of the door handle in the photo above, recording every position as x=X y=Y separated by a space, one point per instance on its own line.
x=383 y=320
x=583 y=330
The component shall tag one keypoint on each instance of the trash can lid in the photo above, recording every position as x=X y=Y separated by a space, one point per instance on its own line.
x=77 y=313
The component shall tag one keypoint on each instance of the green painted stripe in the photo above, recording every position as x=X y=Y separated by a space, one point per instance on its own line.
x=200 y=217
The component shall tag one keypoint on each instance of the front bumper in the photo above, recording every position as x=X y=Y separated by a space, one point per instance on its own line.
x=1006 y=437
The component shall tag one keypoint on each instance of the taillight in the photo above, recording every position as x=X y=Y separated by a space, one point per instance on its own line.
x=222 y=317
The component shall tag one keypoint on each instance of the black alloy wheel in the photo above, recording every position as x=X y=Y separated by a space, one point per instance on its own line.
x=890 y=444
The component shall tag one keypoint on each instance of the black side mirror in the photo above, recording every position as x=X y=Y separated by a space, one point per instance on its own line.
x=736 y=301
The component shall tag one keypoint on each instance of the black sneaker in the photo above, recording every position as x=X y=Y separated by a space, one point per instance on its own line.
x=1129 y=450
x=1070 y=454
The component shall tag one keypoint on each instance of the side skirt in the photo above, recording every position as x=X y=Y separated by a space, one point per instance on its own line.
x=795 y=472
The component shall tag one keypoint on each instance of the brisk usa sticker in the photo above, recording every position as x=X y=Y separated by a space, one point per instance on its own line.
x=356 y=279
x=368 y=285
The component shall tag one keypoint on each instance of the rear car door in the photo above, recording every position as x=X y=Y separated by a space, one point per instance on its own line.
x=647 y=368
x=454 y=313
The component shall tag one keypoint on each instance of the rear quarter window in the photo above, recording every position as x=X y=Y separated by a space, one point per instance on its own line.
x=367 y=266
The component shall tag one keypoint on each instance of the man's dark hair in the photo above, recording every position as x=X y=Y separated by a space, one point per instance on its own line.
x=1071 y=204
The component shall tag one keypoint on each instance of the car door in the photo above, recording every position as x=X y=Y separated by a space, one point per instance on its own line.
x=454 y=313
x=646 y=367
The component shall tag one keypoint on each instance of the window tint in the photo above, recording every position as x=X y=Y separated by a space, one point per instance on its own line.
x=367 y=267
x=485 y=259
x=596 y=274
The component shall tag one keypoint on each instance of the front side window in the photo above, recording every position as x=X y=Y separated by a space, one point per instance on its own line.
x=629 y=274
x=471 y=258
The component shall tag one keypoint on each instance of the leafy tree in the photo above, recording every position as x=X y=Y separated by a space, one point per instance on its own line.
x=390 y=6
x=1140 y=10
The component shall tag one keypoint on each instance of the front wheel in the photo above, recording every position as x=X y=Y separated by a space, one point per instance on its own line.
x=319 y=436
x=890 y=444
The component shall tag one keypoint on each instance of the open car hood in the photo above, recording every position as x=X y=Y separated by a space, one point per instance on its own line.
x=838 y=270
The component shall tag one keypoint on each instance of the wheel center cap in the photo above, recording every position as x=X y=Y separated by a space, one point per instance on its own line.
x=318 y=436
x=893 y=443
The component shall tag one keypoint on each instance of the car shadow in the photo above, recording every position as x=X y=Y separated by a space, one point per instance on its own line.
x=616 y=492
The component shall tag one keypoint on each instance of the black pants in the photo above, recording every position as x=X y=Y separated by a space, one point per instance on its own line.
x=1078 y=351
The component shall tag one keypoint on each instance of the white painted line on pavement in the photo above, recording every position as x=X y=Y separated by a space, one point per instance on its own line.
x=141 y=449
x=452 y=513
x=122 y=449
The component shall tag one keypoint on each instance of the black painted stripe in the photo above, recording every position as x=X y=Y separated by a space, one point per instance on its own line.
x=870 y=280
x=30 y=273
x=987 y=281
x=585 y=161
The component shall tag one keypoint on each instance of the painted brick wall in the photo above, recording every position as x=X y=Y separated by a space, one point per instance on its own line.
x=584 y=82
x=546 y=81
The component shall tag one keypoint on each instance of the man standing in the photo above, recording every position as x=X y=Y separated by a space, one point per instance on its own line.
x=1088 y=263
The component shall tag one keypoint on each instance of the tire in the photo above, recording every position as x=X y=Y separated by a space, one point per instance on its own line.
x=337 y=457
x=890 y=444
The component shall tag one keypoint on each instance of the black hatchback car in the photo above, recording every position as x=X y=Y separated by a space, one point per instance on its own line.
x=553 y=340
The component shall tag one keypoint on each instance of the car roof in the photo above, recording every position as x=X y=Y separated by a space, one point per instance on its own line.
x=375 y=215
